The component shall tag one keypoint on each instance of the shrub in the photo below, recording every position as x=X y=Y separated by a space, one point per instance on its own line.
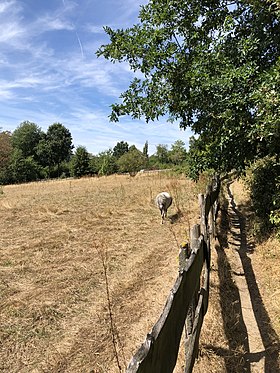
x=263 y=180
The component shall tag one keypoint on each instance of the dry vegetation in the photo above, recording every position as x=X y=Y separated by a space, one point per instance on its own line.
x=53 y=235
x=57 y=238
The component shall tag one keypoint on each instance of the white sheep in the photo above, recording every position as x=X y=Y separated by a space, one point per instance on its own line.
x=163 y=202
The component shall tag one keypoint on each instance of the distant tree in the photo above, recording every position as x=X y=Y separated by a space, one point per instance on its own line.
x=132 y=161
x=80 y=162
x=5 y=148
x=24 y=168
x=145 y=149
x=120 y=149
x=107 y=163
x=43 y=152
x=132 y=147
x=162 y=153
x=5 y=157
x=26 y=137
x=58 y=144
x=94 y=164
x=178 y=152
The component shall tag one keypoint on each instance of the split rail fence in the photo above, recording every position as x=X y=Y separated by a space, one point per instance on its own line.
x=188 y=300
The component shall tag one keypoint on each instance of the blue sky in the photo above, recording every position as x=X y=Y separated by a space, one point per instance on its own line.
x=49 y=72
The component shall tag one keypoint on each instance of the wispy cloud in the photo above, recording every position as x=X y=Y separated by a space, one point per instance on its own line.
x=49 y=71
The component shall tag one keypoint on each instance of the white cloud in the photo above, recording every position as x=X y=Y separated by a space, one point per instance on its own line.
x=94 y=29
x=10 y=31
x=12 y=6
x=50 y=73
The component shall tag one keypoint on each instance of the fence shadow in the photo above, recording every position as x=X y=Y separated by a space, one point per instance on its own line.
x=269 y=336
x=233 y=322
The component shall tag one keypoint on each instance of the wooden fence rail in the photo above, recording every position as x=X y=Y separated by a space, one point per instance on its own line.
x=187 y=302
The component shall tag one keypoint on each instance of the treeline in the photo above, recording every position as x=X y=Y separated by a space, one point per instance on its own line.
x=29 y=154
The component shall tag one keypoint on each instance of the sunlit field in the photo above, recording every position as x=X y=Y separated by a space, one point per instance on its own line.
x=86 y=267
x=57 y=239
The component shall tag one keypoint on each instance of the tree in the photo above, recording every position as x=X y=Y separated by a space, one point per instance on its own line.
x=132 y=161
x=23 y=168
x=145 y=149
x=162 y=153
x=94 y=164
x=5 y=157
x=120 y=149
x=203 y=64
x=80 y=162
x=5 y=149
x=43 y=153
x=178 y=152
x=26 y=137
x=58 y=144
x=267 y=99
x=107 y=163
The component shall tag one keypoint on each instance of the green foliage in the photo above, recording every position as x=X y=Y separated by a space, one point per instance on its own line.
x=94 y=165
x=80 y=162
x=58 y=144
x=29 y=154
x=43 y=153
x=274 y=216
x=178 y=152
x=146 y=149
x=24 y=169
x=267 y=100
x=5 y=149
x=263 y=179
x=26 y=137
x=120 y=149
x=132 y=161
x=107 y=164
x=205 y=64
x=162 y=154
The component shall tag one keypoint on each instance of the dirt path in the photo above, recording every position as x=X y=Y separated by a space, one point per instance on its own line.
x=239 y=255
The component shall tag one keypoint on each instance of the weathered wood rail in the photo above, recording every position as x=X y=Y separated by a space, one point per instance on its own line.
x=187 y=302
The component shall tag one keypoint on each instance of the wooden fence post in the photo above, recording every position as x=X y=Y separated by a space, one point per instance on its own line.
x=184 y=254
x=201 y=201
x=195 y=234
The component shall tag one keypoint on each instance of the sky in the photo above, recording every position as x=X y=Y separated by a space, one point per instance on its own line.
x=49 y=72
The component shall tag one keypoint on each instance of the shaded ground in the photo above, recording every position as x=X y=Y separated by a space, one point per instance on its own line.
x=263 y=353
x=238 y=334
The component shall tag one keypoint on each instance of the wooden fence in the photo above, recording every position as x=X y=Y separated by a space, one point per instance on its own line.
x=187 y=302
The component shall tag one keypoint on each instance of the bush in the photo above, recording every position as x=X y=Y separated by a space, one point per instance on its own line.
x=263 y=180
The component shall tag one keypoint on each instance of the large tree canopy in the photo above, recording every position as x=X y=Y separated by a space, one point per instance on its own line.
x=206 y=64
x=26 y=137
x=59 y=143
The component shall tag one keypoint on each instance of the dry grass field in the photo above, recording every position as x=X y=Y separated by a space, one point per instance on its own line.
x=56 y=240
x=67 y=245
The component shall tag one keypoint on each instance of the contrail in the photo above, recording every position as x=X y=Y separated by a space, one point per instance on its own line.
x=81 y=47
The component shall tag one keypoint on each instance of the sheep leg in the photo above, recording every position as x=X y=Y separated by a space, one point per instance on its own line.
x=162 y=216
